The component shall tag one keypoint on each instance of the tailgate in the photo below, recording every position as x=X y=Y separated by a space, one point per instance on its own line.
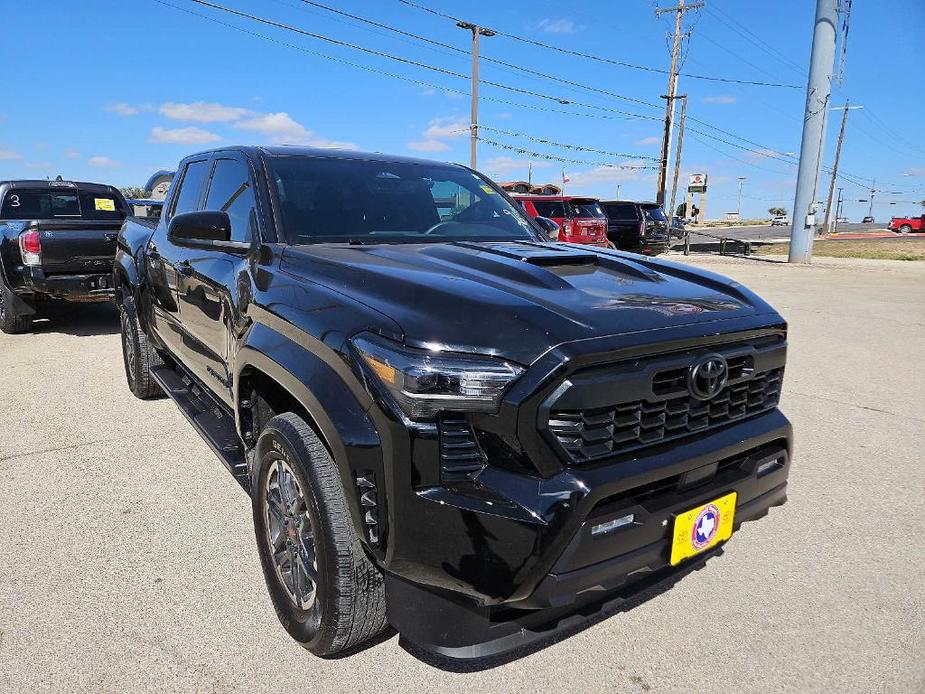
x=77 y=246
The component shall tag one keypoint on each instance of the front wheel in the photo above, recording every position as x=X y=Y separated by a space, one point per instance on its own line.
x=905 y=229
x=326 y=592
x=11 y=322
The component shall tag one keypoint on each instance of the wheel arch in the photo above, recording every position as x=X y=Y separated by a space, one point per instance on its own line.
x=297 y=380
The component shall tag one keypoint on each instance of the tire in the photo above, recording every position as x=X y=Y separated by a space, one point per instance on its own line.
x=347 y=605
x=905 y=229
x=11 y=322
x=138 y=356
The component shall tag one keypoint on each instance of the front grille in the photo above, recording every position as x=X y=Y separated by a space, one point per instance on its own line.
x=591 y=434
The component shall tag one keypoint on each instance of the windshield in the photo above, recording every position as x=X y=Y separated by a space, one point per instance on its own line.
x=25 y=203
x=328 y=200
x=656 y=214
x=586 y=208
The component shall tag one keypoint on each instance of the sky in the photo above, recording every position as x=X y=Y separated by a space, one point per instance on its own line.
x=113 y=90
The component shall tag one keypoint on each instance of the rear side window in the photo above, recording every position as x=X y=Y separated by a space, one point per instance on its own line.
x=231 y=191
x=586 y=208
x=23 y=203
x=621 y=210
x=191 y=187
x=655 y=213
x=549 y=208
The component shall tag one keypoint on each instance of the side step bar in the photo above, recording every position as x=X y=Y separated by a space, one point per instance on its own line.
x=214 y=422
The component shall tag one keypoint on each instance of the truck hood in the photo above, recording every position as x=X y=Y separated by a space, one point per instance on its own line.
x=518 y=299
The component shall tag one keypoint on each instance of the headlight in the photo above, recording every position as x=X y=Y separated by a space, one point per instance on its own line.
x=424 y=382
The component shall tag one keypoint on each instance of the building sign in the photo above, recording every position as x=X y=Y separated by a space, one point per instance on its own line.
x=697 y=183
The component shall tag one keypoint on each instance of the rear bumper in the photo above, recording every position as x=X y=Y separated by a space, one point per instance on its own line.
x=97 y=286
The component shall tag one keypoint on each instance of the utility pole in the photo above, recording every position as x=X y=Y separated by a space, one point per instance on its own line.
x=677 y=158
x=679 y=11
x=841 y=137
x=477 y=32
x=837 y=211
x=873 y=189
x=739 y=203
x=818 y=91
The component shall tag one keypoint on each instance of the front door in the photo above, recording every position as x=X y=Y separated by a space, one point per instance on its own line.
x=212 y=281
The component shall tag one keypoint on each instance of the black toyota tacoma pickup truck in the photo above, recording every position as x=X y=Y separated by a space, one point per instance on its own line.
x=58 y=241
x=443 y=420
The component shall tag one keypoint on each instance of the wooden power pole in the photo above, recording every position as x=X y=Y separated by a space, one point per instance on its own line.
x=677 y=159
x=841 y=137
x=679 y=11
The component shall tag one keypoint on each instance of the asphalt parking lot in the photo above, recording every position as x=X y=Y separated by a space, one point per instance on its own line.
x=127 y=560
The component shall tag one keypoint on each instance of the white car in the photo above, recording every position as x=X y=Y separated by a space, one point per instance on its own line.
x=780 y=221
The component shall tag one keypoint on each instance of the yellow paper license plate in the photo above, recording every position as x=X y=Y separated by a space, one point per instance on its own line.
x=701 y=528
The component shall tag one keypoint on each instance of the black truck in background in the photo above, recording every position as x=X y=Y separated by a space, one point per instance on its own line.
x=639 y=227
x=57 y=241
x=444 y=421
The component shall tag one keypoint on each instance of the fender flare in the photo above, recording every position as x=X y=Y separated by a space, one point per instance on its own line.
x=337 y=413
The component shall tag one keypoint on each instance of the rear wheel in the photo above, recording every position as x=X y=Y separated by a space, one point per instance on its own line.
x=138 y=356
x=905 y=229
x=11 y=322
x=326 y=592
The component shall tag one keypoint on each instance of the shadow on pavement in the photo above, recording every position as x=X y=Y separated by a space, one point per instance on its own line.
x=80 y=319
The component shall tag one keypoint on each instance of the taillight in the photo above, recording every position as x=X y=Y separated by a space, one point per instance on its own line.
x=567 y=228
x=30 y=247
x=642 y=229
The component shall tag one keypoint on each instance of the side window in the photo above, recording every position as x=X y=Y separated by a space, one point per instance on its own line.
x=231 y=191
x=190 y=187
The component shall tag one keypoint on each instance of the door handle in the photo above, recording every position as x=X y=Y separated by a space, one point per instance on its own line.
x=111 y=237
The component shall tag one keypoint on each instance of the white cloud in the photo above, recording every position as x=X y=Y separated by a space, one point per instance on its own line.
x=915 y=171
x=104 y=162
x=651 y=140
x=557 y=26
x=281 y=128
x=430 y=91
x=7 y=155
x=504 y=115
x=508 y=164
x=202 y=112
x=723 y=99
x=71 y=154
x=37 y=165
x=123 y=109
x=428 y=146
x=182 y=136
x=451 y=126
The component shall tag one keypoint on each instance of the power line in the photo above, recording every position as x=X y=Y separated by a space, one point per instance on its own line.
x=567 y=160
x=609 y=61
x=753 y=38
x=563 y=145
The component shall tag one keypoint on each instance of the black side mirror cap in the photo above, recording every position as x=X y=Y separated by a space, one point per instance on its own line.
x=200 y=228
x=548 y=226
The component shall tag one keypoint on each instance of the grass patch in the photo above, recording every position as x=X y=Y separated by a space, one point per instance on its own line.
x=878 y=249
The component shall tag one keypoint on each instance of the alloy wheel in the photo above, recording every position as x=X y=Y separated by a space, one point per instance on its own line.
x=128 y=346
x=290 y=535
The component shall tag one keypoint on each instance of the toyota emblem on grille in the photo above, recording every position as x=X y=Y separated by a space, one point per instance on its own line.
x=707 y=376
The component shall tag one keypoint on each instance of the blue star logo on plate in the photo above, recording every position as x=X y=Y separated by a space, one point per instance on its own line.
x=705 y=526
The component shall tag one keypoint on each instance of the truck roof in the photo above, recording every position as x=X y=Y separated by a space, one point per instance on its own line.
x=59 y=185
x=329 y=152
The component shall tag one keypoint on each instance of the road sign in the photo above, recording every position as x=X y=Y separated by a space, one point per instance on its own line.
x=697 y=183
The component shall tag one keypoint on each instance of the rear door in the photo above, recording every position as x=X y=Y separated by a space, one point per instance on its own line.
x=211 y=280
x=78 y=228
x=163 y=257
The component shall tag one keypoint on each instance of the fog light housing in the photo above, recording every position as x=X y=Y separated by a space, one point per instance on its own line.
x=769 y=466
x=612 y=525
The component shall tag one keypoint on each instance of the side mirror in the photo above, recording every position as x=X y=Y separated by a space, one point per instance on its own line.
x=548 y=226
x=200 y=228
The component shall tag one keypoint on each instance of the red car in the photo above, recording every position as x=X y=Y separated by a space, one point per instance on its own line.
x=905 y=225
x=580 y=219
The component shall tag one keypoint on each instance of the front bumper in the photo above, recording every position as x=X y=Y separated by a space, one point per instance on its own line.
x=96 y=286
x=516 y=580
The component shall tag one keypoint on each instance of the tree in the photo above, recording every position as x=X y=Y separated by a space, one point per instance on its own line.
x=777 y=211
x=135 y=193
x=681 y=211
